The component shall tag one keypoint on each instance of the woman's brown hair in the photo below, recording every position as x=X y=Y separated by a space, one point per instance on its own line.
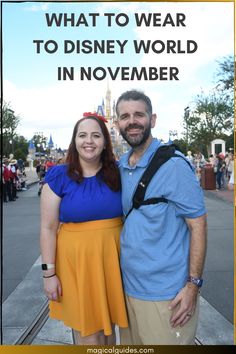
x=109 y=172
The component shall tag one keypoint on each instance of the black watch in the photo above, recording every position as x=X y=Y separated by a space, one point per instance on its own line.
x=47 y=266
x=196 y=281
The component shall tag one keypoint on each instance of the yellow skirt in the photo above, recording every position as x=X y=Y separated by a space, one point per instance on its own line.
x=87 y=264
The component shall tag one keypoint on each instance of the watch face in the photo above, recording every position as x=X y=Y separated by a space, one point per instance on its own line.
x=196 y=281
x=44 y=267
x=200 y=281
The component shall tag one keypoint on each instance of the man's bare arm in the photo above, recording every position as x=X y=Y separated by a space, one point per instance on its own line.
x=186 y=299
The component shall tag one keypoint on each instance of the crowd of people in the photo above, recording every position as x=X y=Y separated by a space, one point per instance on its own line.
x=13 y=178
x=222 y=164
x=42 y=166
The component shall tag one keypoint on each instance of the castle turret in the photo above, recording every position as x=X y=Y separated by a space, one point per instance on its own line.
x=31 y=149
x=108 y=103
x=114 y=111
x=31 y=154
x=50 y=143
x=100 y=110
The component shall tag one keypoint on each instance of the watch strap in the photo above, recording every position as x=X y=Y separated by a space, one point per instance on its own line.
x=196 y=281
x=47 y=266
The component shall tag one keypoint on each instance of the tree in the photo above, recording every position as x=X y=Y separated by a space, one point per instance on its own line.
x=10 y=123
x=211 y=118
x=21 y=148
x=229 y=141
x=225 y=74
x=212 y=115
x=40 y=142
x=181 y=143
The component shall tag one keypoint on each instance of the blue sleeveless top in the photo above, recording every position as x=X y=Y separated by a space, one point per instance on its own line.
x=88 y=200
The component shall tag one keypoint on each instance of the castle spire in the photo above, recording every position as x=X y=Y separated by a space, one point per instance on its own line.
x=108 y=102
x=50 y=143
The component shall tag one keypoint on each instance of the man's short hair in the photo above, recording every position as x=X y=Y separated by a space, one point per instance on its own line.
x=135 y=95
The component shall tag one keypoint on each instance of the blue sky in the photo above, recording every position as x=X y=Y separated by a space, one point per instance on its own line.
x=45 y=104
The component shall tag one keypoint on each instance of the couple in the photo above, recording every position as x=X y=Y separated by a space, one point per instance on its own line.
x=162 y=245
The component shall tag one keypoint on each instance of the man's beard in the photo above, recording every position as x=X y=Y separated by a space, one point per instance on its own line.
x=138 y=140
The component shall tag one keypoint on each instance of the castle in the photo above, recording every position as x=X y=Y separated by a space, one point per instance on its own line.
x=107 y=110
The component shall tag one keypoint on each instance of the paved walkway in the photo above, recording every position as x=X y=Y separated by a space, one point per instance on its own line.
x=28 y=298
x=31 y=176
x=224 y=194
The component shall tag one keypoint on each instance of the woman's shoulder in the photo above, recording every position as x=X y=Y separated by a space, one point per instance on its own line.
x=58 y=171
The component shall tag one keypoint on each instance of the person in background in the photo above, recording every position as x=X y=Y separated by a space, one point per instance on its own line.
x=13 y=178
x=230 y=166
x=199 y=161
x=6 y=180
x=38 y=165
x=80 y=234
x=61 y=161
x=189 y=156
x=21 y=165
x=163 y=245
x=49 y=163
x=231 y=181
x=213 y=162
x=220 y=171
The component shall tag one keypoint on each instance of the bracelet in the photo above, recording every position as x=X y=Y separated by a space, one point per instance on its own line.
x=49 y=276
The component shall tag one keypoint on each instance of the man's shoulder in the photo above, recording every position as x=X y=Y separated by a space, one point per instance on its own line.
x=177 y=160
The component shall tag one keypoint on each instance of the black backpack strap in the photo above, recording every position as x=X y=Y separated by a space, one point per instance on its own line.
x=147 y=202
x=162 y=155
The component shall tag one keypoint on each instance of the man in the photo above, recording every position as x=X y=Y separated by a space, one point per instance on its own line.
x=6 y=180
x=162 y=245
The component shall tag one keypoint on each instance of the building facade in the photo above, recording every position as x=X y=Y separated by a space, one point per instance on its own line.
x=107 y=109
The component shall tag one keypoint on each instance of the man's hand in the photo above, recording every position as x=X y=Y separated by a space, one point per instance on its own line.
x=183 y=305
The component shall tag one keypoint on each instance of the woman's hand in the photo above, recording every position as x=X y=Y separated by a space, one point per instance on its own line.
x=52 y=288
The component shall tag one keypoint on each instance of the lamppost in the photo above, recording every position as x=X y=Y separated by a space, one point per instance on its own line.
x=39 y=152
x=11 y=146
x=173 y=133
x=186 y=116
x=43 y=148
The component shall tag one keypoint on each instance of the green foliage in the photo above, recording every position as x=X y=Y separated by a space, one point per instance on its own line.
x=9 y=125
x=20 y=148
x=10 y=121
x=181 y=143
x=40 y=142
x=229 y=141
x=212 y=114
x=225 y=74
x=19 y=154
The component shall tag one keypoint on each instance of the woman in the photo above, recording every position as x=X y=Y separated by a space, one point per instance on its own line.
x=220 y=170
x=230 y=165
x=81 y=222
